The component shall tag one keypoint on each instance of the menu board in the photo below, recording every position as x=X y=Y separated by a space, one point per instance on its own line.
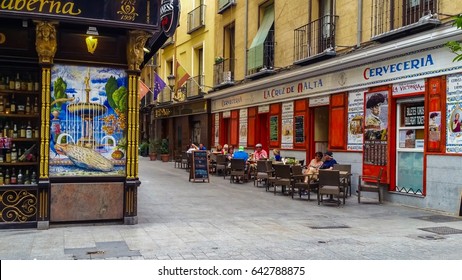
x=273 y=128
x=299 y=131
x=200 y=166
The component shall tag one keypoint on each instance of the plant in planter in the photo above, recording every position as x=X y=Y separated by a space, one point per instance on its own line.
x=164 y=150
x=154 y=148
x=219 y=59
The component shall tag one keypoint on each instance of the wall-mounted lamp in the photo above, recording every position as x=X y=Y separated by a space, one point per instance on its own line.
x=171 y=82
x=146 y=49
x=91 y=42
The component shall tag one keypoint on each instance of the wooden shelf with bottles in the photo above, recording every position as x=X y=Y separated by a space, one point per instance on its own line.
x=23 y=163
x=22 y=92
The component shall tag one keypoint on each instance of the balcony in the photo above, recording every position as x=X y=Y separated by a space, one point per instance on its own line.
x=194 y=86
x=261 y=58
x=315 y=41
x=222 y=74
x=396 y=18
x=196 y=19
x=165 y=96
x=223 y=5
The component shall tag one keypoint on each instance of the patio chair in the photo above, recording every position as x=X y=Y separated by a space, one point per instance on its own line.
x=299 y=184
x=237 y=170
x=213 y=163
x=221 y=165
x=263 y=171
x=346 y=178
x=370 y=184
x=282 y=177
x=330 y=184
x=178 y=160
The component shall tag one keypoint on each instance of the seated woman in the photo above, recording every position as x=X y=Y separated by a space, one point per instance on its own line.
x=314 y=165
x=277 y=155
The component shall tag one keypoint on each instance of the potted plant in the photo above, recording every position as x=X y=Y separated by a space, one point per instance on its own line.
x=164 y=150
x=219 y=59
x=154 y=147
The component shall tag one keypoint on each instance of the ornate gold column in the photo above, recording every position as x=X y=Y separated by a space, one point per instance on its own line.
x=45 y=45
x=135 y=56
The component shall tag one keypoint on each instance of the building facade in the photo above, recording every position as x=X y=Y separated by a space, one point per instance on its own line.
x=179 y=112
x=370 y=80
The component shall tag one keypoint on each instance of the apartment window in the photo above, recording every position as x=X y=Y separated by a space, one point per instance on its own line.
x=260 y=55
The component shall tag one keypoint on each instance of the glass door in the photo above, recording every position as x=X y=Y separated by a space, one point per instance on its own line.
x=410 y=146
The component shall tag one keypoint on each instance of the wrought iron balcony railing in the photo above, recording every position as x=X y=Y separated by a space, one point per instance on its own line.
x=196 y=19
x=315 y=40
x=397 y=18
x=267 y=56
x=223 y=73
x=165 y=95
x=225 y=4
x=194 y=86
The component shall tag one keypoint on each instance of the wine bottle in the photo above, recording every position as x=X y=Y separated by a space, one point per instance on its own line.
x=1 y=178
x=17 y=82
x=28 y=130
x=14 y=153
x=30 y=84
x=7 y=177
x=6 y=130
x=20 y=178
x=2 y=105
x=27 y=178
x=35 y=109
x=33 y=178
x=26 y=153
x=37 y=84
x=28 y=107
x=15 y=131
x=22 y=131
x=12 y=105
x=8 y=156
x=13 y=178
x=11 y=84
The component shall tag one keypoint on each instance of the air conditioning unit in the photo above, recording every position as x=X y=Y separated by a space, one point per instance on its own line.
x=227 y=77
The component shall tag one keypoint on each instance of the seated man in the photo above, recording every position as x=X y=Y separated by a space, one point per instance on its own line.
x=241 y=154
x=329 y=161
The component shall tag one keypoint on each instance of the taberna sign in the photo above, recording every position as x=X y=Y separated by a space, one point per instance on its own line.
x=169 y=16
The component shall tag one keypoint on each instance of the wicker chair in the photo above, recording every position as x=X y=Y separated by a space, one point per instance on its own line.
x=237 y=170
x=263 y=171
x=330 y=184
x=301 y=185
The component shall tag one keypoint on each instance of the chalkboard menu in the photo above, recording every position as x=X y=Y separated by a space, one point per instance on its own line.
x=299 y=131
x=199 y=167
x=273 y=128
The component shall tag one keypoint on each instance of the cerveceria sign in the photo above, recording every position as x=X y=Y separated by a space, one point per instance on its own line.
x=140 y=14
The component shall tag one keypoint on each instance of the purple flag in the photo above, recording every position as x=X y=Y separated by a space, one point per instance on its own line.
x=159 y=85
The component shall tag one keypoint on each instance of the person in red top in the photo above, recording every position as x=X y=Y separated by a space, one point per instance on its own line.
x=259 y=153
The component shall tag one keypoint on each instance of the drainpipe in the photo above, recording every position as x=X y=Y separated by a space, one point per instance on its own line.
x=360 y=23
x=246 y=35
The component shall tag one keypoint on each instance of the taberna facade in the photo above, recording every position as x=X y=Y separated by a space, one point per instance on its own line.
x=77 y=69
x=394 y=106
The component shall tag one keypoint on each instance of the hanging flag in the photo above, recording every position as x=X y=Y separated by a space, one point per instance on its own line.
x=182 y=76
x=143 y=89
x=159 y=85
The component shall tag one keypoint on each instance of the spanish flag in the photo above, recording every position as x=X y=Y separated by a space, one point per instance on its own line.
x=181 y=74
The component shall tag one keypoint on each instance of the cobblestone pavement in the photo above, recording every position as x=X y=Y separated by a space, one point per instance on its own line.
x=181 y=220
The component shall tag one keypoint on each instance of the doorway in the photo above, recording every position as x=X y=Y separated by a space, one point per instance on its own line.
x=262 y=133
x=410 y=146
x=319 y=129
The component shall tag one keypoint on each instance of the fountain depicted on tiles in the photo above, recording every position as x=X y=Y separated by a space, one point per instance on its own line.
x=88 y=112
